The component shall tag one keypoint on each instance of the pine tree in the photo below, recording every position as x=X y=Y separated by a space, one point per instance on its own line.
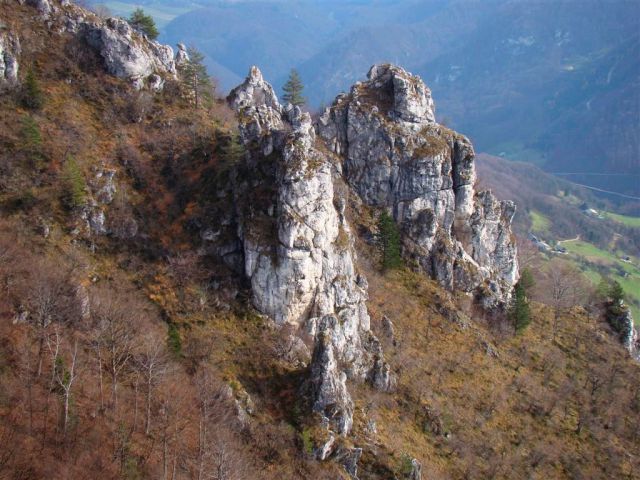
x=293 y=89
x=32 y=96
x=195 y=79
x=144 y=23
x=74 y=186
x=389 y=241
x=520 y=311
x=31 y=141
x=526 y=280
x=616 y=293
x=234 y=150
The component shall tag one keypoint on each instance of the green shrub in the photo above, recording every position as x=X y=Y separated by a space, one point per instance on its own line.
x=406 y=465
x=307 y=441
x=32 y=96
x=389 y=242
x=73 y=185
x=520 y=312
x=174 y=341
x=31 y=141
x=195 y=80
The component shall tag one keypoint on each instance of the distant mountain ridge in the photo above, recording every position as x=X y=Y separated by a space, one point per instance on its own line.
x=552 y=83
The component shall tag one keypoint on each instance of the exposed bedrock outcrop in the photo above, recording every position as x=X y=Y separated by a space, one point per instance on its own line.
x=126 y=53
x=297 y=251
x=397 y=158
x=296 y=243
x=620 y=318
x=9 y=59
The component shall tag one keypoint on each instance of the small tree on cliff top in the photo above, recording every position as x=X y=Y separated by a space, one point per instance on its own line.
x=293 y=89
x=143 y=22
x=196 y=82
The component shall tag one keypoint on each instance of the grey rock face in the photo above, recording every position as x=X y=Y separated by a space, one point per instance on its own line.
x=297 y=247
x=416 y=470
x=125 y=53
x=411 y=98
x=182 y=57
x=328 y=384
x=297 y=244
x=92 y=215
x=349 y=459
x=9 y=55
x=624 y=325
x=44 y=7
x=398 y=159
x=254 y=93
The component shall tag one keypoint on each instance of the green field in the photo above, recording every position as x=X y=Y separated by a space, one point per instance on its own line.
x=539 y=223
x=624 y=219
x=581 y=250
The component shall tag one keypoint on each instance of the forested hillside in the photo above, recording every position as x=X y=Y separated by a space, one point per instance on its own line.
x=155 y=320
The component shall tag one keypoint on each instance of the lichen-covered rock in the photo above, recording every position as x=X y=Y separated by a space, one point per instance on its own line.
x=44 y=7
x=125 y=53
x=412 y=100
x=182 y=56
x=620 y=318
x=9 y=55
x=297 y=244
x=398 y=159
x=328 y=386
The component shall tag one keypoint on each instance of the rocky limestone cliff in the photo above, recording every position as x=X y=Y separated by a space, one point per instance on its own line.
x=9 y=55
x=621 y=320
x=297 y=247
x=397 y=158
x=125 y=52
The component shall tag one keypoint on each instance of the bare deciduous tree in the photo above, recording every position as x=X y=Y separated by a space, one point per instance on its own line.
x=113 y=336
x=528 y=254
x=218 y=455
x=152 y=362
x=64 y=374
x=562 y=286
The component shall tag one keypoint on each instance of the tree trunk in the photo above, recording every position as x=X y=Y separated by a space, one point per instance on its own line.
x=100 y=379
x=147 y=427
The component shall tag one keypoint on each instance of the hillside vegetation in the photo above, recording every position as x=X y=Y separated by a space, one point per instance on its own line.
x=604 y=245
x=136 y=353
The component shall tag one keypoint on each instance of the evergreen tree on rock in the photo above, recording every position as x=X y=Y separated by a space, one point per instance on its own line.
x=144 y=23
x=293 y=90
